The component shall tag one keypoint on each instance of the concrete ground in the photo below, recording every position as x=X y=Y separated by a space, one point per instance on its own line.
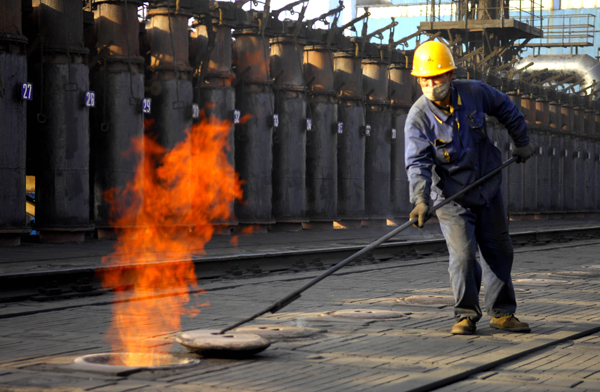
x=558 y=292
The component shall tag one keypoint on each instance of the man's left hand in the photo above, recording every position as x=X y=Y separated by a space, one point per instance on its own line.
x=523 y=153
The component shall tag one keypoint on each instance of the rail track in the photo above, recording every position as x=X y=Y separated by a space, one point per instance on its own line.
x=56 y=284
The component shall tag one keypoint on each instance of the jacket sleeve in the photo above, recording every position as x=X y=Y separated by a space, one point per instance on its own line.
x=418 y=158
x=499 y=105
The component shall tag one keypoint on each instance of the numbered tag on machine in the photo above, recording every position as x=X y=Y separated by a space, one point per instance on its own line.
x=26 y=91
x=236 y=116
x=195 y=111
x=367 y=130
x=340 y=127
x=276 y=120
x=90 y=99
x=393 y=133
x=147 y=105
x=309 y=124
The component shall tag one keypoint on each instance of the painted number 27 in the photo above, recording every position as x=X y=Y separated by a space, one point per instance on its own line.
x=26 y=91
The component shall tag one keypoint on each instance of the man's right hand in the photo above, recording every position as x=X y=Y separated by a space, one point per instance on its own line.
x=420 y=212
x=523 y=153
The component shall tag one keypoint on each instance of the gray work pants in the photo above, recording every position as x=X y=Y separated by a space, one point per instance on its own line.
x=464 y=229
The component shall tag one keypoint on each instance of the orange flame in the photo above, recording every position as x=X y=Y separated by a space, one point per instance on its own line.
x=174 y=201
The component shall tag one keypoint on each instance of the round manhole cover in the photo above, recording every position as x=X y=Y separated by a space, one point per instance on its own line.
x=593 y=266
x=274 y=331
x=512 y=376
x=108 y=361
x=210 y=343
x=366 y=314
x=542 y=282
x=428 y=300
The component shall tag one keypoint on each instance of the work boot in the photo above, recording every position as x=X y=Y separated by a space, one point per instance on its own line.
x=464 y=326
x=509 y=323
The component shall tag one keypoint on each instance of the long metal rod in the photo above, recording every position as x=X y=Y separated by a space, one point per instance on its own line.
x=288 y=299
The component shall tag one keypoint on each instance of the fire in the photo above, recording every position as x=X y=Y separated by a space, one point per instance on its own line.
x=174 y=199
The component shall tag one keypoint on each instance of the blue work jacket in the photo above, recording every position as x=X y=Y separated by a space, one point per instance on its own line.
x=446 y=151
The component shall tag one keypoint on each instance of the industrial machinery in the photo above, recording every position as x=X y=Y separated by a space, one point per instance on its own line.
x=316 y=116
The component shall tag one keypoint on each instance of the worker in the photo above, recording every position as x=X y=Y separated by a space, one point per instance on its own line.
x=447 y=148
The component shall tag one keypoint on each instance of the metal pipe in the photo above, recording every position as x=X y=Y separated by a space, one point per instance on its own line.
x=290 y=137
x=62 y=134
x=400 y=96
x=321 y=148
x=375 y=79
x=351 y=136
x=211 y=57
x=254 y=138
x=118 y=81
x=170 y=79
x=288 y=299
x=583 y=66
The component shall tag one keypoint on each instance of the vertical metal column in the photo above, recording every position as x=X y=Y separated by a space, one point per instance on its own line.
x=528 y=108
x=529 y=170
x=13 y=132
x=400 y=95
x=542 y=113
x=321 y=149
x=578 y=120
x=118 y=81
x=351 y=142
x=589 y=174
x=579 y=175
x=566 y=115
x=211 y=54
x=289 y=137
x=557 y=157
x=169 y=78
x=597 y=170
x=569 y=171
x=555 y=114
x=544 y=171
x=514 y=173
x=544 y=174
x=254 y=138
x=61 y=127
x=503 y=145
x=378 y=149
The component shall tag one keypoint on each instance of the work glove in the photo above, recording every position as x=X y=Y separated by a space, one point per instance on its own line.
x=420 y=212
x=523 y=153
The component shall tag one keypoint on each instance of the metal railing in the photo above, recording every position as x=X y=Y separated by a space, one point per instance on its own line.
x=567 y=31
x=526 y=11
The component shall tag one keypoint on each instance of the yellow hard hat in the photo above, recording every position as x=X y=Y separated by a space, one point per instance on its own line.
x=432 y=58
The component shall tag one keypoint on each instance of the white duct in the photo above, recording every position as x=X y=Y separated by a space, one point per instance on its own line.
x=580 y=65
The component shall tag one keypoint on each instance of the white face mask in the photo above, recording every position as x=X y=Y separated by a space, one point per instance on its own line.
x=436 y=93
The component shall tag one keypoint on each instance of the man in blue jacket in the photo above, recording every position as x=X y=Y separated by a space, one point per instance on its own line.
x=447 y=148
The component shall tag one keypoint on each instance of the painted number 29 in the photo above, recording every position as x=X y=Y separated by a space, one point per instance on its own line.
x=26 y=91
x=146 y=105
